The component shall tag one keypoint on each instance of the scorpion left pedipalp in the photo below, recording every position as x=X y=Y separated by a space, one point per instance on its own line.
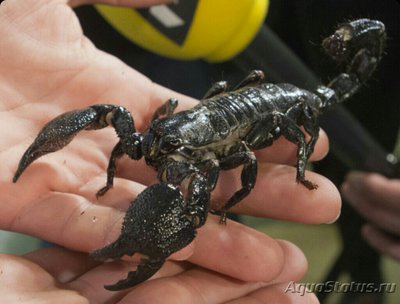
x=162 y=228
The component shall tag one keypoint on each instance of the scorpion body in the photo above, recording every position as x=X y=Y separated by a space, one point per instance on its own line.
x=189 y=148
x=230 y=117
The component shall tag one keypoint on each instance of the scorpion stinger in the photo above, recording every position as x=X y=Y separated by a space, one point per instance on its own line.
x=188 y=149
x=358 y=45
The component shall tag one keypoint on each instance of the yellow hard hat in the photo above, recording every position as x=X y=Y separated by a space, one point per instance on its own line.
x=214 y=30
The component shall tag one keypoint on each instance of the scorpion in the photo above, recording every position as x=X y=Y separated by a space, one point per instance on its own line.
x=189 y=148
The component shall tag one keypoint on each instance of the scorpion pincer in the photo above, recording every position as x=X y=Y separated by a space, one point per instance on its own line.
x=189 y=148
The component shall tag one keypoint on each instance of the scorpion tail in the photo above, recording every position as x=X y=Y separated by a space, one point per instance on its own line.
x=359 y=46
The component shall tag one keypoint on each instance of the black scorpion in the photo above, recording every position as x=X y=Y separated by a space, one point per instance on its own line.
x=189 y=148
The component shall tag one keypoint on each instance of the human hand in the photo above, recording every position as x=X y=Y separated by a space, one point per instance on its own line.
x=377 y=199
x=40 y=277
x=48 y=67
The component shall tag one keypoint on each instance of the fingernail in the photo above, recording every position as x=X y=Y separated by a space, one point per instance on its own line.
x=335 y=219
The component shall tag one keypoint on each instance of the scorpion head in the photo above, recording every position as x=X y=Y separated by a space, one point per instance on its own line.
x=166 y=135
x=162 y=138
x=155 y=145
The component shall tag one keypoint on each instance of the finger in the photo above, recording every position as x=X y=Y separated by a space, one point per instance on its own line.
x=381 y=241
x=373 y=187
x=61 y=217
x=380 y=215
x=277 y=294
x=266 y=265
x=91 y=284
x=204 y=286
x=246 y=254
x=64 y=265
x=196 y=285
x=237 y=251
x=295 y=265
x=75 y=222
x=22 y=280
x=16 y=269
x=69 y=220
x=277 y=195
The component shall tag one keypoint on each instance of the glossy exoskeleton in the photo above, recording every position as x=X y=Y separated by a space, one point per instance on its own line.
x=189 y=148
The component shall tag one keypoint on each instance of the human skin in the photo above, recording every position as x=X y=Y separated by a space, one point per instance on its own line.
x=47 y=67
x=376 y=198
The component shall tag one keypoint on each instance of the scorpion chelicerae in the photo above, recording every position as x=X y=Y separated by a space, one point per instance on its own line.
x=189 y=148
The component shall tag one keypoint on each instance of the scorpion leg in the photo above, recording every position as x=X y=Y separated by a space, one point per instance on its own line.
x=253 y=78
x=211 y=169
x=197 y=187
x=310 y=123
x=312 y=128
x=166 y=109
x=248 y=177
x=262 y=135
x=293 y=133
x=217 y=88
x=198 y=200
x=116 y=153
x=130 y=143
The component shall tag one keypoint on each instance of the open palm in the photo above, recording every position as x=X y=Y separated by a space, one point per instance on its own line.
x=48 y=67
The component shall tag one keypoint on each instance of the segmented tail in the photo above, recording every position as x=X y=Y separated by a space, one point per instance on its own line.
x=358 y=45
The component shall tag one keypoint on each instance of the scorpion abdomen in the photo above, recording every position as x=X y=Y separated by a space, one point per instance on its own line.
x=239 y=110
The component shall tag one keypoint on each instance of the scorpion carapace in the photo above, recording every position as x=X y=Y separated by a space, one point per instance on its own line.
x=188 y=149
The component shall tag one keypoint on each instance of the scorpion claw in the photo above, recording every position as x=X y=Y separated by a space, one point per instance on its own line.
x=29 y=156
x=156 y=225
x=145 y=270
x=55 y=135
